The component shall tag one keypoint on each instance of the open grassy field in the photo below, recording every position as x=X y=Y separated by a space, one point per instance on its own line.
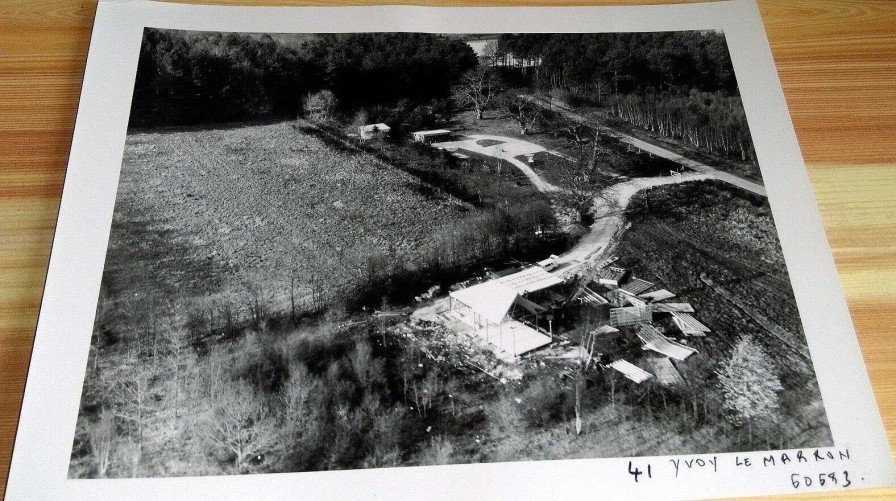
x=227 y=212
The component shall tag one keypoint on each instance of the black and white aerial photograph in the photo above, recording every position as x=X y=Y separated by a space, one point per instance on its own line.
x=371 y=250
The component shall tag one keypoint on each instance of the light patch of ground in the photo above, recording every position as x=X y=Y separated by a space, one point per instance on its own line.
x=504 y=148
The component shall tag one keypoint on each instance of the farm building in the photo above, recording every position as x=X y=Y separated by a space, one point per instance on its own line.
x=498 y=312
x=510 y=309
x=431 y=136
x=373 y=131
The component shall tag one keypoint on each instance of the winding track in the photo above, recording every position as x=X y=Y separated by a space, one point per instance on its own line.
x=612 y=201
x=507 y=149
x=654 y=149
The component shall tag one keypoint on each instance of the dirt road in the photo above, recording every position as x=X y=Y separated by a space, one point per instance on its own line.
x=504 y=148
x=652 y=148
x=613 y=202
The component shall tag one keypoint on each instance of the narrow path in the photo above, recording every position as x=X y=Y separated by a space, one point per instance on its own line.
x=651 y=148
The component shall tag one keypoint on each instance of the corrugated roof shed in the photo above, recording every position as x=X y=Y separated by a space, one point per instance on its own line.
x=659 y=295
x=605 y=329
x=688 y=324
x=672 y=307
x=631 y=298
x=636 y=285
x=631 y=371
x=530 y=279
x=611 y=275
x=629 y=315
x=654 y=340
x=587 y=295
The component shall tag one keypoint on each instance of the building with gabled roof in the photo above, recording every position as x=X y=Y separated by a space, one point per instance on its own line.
x=657 y=295
x=489 y=309
x=631 y=371
x=672 y=307
x=636 y=286
x=611 y=275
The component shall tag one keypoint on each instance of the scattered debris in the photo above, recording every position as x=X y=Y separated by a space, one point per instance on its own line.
x=631 y=371
x=654 y=340
x=665 y=371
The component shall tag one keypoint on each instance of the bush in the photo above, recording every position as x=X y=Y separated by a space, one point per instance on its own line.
x=264 y=368
x=545 y=403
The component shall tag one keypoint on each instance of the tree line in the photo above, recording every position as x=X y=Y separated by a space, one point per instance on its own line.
x=188 y=78
x=623 y=63
x=679 y=85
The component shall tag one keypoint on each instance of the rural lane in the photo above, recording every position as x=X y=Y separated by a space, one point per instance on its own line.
x=613 y=202
x=652 y=148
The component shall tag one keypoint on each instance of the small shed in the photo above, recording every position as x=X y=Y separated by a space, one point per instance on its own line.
x=612 y=275
x=373 y=131
x=431 y=136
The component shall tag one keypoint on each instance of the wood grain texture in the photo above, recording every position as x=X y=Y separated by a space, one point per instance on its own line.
x=836 y=61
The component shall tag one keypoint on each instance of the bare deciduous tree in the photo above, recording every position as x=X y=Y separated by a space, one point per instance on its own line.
x=241 y=425
x=132 y=395
x=100 y=436
x=367 y=370
x=477 y=89
x=439 y=451
x=301 y=407
x=524 y=113
x=490 y=52
x=586 y=356
x=320 y=106
x=587 y=185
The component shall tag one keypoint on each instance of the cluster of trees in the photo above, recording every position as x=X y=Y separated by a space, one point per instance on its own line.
x=325 y=398
x=368 y=69
x=679 y=85
x=710 y=121
x=621 y=63
x=194 y=78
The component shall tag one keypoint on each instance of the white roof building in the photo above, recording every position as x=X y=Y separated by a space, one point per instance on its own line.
x=487 y=308
x=373 y=130
x=490 y=300
x=425 y=136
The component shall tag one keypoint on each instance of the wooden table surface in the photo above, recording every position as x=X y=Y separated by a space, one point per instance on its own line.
x=837 y=64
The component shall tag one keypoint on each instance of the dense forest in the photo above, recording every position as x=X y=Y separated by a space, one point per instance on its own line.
x=680 y=85
x=195 y=78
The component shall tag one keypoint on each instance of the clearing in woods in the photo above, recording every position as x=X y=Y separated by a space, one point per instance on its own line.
x=223 y=212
